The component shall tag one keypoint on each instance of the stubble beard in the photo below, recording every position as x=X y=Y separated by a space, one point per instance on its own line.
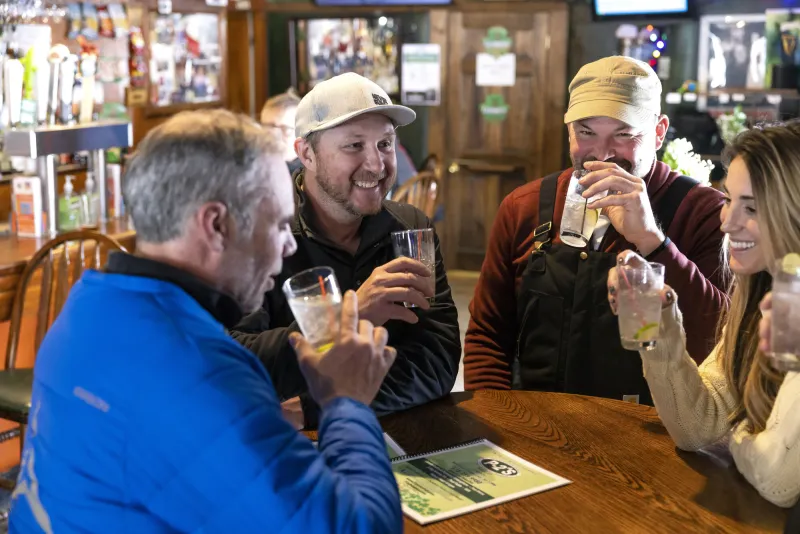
x=341 y=195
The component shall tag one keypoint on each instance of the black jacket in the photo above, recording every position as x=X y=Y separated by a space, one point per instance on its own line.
x=428 y=352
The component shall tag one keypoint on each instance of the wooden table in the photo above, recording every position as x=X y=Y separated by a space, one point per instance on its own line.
x=627 y=475
x=16 y=251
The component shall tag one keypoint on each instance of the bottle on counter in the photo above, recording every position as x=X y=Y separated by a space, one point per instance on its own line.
x=90 y=202
x=69 y=208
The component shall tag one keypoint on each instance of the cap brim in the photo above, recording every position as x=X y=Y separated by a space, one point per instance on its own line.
x=630 y=115
x=400 y=116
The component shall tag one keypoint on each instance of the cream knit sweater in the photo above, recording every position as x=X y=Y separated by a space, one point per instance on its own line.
x=694 y=404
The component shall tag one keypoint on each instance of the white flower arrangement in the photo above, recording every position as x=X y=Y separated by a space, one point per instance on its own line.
x=731 y=124
x=680 y=156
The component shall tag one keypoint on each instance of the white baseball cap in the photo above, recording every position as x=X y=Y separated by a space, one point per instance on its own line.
x=344 y=97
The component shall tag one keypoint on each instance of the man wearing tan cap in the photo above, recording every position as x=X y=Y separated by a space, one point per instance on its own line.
x=346 y=142
x=540 y=316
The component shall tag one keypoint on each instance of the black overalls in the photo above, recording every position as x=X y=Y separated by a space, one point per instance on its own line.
x=568 y=338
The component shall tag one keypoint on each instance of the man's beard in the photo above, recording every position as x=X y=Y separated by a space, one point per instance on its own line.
x=340 y=194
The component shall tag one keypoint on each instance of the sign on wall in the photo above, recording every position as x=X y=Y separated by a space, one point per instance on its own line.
x=421 y=74
x=495 y=71
x=496 y=66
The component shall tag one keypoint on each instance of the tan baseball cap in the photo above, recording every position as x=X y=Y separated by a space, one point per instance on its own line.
x=344 y=97
x=619 y=87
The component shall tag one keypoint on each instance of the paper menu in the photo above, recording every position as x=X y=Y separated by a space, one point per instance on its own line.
x=466 y=478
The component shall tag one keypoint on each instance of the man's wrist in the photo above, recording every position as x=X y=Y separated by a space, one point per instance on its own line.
x=650 y=242
x=335 y=399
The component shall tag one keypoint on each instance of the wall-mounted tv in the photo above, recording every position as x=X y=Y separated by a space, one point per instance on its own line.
x=619 y=9
x=378 y=3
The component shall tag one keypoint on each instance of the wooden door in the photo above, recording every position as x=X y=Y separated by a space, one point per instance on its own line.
x=485 y=158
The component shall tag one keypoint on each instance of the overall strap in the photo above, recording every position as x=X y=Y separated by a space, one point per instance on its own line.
x=547 y=205
x=669 y=203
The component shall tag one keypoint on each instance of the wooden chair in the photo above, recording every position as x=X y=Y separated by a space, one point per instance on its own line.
x=62 y=265
x=421 y=191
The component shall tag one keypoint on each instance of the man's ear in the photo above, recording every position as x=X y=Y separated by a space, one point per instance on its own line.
x=306 y=154
x=661 y=131
x=215 y=225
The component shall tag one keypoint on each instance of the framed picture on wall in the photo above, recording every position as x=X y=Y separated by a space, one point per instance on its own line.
x=326 y=47
x=732 y=52
x=782 y=24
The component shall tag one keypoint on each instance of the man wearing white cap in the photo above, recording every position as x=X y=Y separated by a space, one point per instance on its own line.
x=346 y=142
x=540 y=316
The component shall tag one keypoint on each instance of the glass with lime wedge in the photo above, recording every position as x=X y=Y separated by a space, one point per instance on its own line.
x=639 y=304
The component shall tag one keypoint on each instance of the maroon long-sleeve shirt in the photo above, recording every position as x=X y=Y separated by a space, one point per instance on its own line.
x=692 y=268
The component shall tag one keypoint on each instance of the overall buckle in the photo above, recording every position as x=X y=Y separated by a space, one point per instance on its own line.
x=541 y=230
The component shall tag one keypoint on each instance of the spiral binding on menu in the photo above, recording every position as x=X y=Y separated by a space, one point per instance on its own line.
x=437 y=451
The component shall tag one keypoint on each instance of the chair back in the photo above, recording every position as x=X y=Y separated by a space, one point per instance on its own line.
x=431 y=163
x=421 y=191
x=62 y=260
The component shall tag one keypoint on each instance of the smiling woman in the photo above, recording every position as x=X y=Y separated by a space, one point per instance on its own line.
x=740 y=222
x=736 y=393
x=761 y=223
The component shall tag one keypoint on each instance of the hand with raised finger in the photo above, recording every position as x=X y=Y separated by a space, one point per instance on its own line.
x=626 y=257
x=355 y=365
x=632 y=259
x=402 y=280
x=628 y=208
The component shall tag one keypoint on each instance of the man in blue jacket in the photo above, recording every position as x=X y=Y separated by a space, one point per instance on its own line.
x=147 y=417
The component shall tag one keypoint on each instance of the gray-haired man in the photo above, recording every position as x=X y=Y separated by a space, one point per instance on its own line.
x=147 y=417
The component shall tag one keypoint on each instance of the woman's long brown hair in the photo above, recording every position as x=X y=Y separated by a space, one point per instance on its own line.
x=772 y=157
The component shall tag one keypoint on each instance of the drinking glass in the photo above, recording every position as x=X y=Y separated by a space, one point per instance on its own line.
x=785 y=330
x=316 y=302
x=418 y=245
x=639 y=305
x=578 y=221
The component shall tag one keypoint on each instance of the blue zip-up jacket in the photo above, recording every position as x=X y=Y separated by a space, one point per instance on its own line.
x=147 y=417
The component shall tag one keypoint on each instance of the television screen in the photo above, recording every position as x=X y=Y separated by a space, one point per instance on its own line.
x=382 y=2
x=636 y=8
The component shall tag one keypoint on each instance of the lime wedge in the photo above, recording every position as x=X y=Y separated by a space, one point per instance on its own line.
x=643 y=330
x=791 y=264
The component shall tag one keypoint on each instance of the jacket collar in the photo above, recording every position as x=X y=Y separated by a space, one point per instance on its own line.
x=220 y=305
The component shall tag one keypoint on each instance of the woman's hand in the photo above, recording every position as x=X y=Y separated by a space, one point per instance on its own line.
x=629 y=257
x=765 y=325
